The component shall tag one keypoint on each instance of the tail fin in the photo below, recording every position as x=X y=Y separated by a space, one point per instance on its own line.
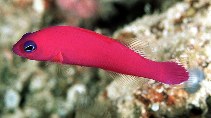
x=196 y=75
x=173 y=73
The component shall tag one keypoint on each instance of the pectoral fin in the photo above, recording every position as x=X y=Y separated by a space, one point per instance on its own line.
x=58 y=58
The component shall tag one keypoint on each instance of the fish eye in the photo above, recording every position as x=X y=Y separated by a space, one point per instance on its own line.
x=30 y=46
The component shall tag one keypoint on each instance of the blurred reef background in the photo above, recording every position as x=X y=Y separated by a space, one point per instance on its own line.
x=173 y=29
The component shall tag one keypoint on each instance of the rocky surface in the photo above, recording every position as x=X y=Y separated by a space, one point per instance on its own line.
x=181 y=33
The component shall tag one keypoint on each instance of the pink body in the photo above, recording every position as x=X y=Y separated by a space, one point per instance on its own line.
x=77 y=46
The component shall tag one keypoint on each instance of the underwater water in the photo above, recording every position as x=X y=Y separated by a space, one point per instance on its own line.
x=169 y=31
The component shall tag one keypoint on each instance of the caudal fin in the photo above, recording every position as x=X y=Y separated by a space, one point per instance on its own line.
x=173 y=73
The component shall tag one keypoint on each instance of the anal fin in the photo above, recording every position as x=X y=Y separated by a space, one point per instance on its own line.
x=124 y=84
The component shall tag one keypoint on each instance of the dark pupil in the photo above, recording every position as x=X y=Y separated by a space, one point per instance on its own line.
x=29 y=46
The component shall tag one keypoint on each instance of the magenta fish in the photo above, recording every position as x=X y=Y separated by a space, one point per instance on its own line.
x=77 y=46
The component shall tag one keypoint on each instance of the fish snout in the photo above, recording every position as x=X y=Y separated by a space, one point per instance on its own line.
x=16 y=49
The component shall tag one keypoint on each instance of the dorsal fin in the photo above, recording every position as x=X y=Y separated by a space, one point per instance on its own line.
x=138 y=45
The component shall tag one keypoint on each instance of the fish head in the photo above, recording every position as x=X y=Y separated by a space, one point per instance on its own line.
x=35 y=46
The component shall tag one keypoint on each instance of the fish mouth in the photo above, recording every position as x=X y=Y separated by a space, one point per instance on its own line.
x=14 y=49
